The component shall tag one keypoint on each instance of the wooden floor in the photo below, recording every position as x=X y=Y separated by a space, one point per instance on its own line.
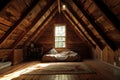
x=103 y=72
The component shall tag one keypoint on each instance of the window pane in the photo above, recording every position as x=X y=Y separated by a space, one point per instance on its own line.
x=59 y=44
x=56 y=44
x=60 y=31
x=60 y=36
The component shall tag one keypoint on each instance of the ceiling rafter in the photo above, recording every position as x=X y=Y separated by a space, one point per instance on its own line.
x=3 y=3
x=38 y=30
x=75 y=19
x=75 y=25
x=36 y=19
x=36 y=38
x=108 y=13
x=24 y=14
x=98 y=29
x=84 y=26
x=59 y=6
x=69 y=18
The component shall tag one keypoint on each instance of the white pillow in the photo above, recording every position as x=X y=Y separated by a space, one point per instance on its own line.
x=53 y=51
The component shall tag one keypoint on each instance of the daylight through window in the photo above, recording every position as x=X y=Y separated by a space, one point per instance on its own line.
x=60 y=34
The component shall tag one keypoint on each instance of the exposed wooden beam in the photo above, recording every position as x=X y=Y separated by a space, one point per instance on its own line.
x=84 y=26
x=74 y=24
x=96 y=26
x=35 y=38
x=24 y=14
x=36 y=19
x=46 y=24
x=3 y=3
x=40 y=26
x=108 y=13
x=59 y=6
x=70 y=19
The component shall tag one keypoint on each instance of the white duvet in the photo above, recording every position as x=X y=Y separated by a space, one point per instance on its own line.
x=63 y=55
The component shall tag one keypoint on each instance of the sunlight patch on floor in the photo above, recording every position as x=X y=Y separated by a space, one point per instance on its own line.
x=61 y=77
x=23 y=71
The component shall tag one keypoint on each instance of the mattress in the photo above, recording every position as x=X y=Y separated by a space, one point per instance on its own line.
x=62 y=56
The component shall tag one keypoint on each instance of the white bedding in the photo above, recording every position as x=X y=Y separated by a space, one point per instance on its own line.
x=5 y=64
x=62 y=55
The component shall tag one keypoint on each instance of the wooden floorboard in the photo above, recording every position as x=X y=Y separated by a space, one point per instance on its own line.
x=101 y=71
x=106 y=70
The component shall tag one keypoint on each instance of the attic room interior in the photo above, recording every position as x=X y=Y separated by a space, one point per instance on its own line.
x=60 y=39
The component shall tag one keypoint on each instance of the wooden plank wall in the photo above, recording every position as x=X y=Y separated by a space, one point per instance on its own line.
x=107 y=55
x=18 y=56
x=15 y=56
x=107 y=27
x=73 y=41
x=5 y=54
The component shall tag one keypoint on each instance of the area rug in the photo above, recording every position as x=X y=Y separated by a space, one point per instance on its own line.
x=63 y=69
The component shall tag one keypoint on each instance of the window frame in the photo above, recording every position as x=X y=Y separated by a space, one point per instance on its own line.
x=64 y=36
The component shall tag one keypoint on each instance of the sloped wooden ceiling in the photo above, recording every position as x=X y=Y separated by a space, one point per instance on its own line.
x=22 y=21
x=73 y=40
x=27 y=21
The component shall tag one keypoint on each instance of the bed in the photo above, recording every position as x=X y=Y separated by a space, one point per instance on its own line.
x=66 y=55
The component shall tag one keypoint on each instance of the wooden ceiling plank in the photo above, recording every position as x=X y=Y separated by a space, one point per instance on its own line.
x=108 y=13
x=24 y=14
x=65 y=13
x=40 y=26
x=59 y=6
x=98 y=29
x=74 y=25
x=36 y=19
x=44 y=26
x=84 y=26
x=3 y=3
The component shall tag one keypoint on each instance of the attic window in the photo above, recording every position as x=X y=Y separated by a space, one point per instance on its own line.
x=60 y=35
